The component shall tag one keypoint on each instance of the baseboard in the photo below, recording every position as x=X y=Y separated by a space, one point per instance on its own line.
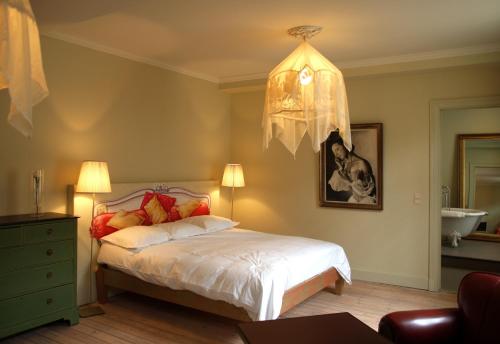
x=400 y=280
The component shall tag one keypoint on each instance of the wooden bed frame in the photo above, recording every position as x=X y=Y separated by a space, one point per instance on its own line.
x=129 y=196
x=107 y=277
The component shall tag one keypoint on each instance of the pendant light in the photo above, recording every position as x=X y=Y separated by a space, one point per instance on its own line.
x=305 y=93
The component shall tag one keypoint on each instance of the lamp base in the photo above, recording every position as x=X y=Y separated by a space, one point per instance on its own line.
x=88 y=311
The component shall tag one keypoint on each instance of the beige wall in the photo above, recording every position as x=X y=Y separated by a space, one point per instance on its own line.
x=148 y=123
x=282 y=193
x=466 y=121
x=151 y=124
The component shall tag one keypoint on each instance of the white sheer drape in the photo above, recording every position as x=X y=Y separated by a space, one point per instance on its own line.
x=305 y=93
x=21 y=69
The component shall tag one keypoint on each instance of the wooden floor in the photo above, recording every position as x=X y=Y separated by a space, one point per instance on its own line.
x=135 y=319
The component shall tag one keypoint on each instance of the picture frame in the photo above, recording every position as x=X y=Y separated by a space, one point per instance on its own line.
x=353 y=179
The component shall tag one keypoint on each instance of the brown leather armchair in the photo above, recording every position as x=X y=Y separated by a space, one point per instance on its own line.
x=476 y=320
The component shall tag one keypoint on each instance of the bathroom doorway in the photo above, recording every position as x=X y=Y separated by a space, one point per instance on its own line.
x=449 y=119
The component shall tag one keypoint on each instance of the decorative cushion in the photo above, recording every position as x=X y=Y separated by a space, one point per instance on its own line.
x=142 y=213
x=190 y=208
x=187 y=208
x=155 y=211
x=202 y=209
x=99 y=227
x=123 y=219
x=165 y=201
x=174 y=215
x=101 y=223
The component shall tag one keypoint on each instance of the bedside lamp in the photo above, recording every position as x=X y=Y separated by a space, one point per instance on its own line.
x=94 y=178
x=233 y=177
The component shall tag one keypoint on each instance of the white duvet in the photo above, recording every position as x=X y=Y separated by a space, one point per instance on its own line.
x=248 y=269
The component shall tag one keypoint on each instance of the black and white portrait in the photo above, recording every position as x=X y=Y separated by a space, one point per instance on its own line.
x=352 y=179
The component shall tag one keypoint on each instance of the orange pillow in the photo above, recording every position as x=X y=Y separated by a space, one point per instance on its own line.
x=155 y=211
x=175 y=213
x=124 y=219
x=166 y=201
x=187 y=208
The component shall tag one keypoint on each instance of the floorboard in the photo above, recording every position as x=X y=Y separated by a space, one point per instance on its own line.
x=135 y=319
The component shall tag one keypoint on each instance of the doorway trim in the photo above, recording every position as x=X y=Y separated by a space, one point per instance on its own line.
x=436 y=106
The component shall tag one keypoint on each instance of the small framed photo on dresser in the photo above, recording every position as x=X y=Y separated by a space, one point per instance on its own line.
x=352 y=179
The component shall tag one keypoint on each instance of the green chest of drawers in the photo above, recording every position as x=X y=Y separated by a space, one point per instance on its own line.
x=37 y=271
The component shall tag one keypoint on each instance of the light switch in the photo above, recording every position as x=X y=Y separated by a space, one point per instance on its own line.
x=417 y=198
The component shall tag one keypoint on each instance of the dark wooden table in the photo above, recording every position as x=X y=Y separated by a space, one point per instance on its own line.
x=341 y=328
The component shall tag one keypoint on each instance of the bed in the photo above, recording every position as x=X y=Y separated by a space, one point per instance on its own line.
x=235 y=273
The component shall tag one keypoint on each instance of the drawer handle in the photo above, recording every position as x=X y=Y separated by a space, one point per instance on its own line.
x=49 y=275
x=49 y=231
x=50 y=252
x=49 y=300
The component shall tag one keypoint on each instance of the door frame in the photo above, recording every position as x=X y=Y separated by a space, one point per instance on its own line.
x=436 y=106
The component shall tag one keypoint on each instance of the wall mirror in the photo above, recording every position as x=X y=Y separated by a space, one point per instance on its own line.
x=479 y=180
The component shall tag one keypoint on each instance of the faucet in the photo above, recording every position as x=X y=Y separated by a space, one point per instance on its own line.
x=445 y=196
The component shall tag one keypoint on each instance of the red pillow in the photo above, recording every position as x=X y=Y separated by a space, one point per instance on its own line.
x=202 y=209
x=142 y=213
x=173 y=215
x=166 y=202
x=100 y=228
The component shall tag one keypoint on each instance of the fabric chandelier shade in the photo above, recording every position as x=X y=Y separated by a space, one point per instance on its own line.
x=233 y=176
x=94 y=177
x=21 y=68
x=305 y=93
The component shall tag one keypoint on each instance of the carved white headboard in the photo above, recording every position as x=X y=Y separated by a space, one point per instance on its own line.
x=134 y=199
x=129 y=196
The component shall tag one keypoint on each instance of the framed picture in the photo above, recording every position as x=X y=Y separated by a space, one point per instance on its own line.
x=352 y=179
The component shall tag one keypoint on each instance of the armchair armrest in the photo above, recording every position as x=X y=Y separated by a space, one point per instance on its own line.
x=421 y=326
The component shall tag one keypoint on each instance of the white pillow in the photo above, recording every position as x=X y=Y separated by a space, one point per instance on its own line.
x=137 y=237
x=179 y=229
x=211 y=223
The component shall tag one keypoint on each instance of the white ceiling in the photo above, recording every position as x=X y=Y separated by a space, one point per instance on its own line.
x=228 y=40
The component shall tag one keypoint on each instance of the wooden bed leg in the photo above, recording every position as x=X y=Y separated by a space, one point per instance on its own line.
x=337 y=287
x=102 y=290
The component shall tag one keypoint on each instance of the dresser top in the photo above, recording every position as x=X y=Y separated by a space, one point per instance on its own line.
x=30 y=218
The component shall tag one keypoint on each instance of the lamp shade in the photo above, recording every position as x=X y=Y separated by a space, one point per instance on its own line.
x=305 y=93
x=94 y=177
x=233 y=176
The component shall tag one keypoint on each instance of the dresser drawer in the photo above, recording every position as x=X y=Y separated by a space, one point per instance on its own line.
x=15 y=258
x=36 y=278
x=10 y=236
x=48 y=231
x=34 y=305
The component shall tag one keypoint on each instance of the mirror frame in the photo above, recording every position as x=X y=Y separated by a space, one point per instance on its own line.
x=461 y=178
x=461 y=160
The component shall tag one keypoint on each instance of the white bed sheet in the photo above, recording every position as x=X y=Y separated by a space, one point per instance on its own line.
x=245 y=268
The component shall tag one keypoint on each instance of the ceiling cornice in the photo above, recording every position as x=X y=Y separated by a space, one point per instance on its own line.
x=128 y=56
x=343 y=65
x=390 y=60
x=403 y=67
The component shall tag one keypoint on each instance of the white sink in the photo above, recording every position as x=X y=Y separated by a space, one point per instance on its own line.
x=460 y=221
